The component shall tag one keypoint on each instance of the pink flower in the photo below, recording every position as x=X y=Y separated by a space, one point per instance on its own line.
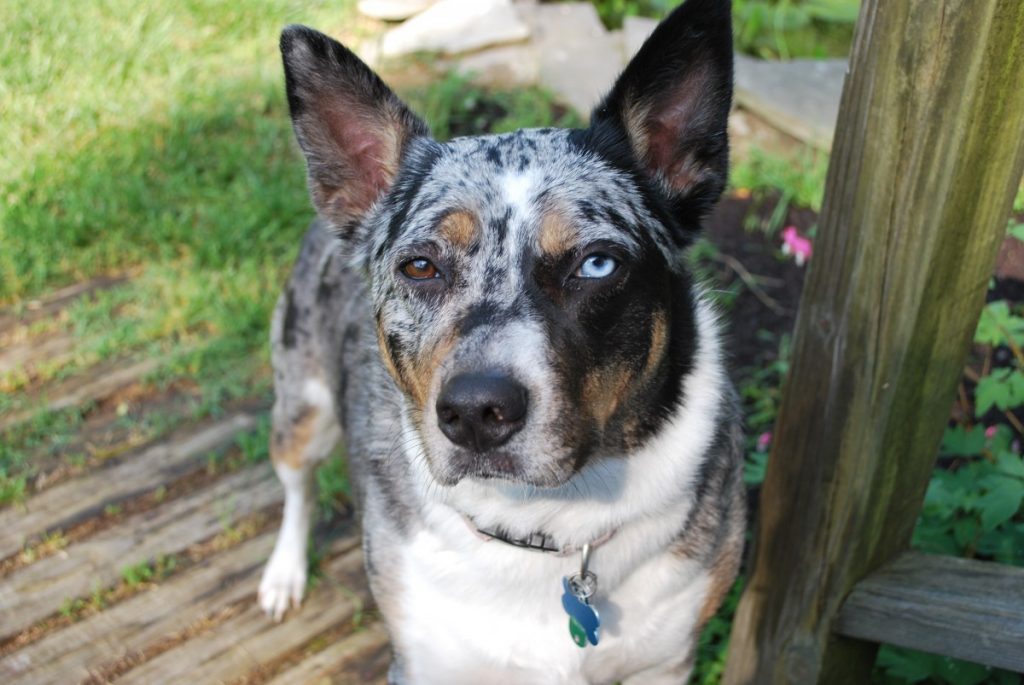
x=764 y=440
x=990 y=432
x=795 y=244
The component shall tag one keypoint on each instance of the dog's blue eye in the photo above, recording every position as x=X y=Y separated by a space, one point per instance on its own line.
x=597 y=266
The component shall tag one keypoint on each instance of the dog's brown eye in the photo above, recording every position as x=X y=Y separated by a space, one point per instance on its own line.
x=420 y=269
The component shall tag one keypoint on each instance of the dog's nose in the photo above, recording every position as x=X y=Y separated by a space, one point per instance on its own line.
x=481 y=410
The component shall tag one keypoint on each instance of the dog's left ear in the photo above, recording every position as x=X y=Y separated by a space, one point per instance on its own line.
x=672 y=103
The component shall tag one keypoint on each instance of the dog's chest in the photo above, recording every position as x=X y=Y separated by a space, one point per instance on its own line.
x=476 y=611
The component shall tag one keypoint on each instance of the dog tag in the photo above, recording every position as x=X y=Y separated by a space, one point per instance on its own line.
x=577 y=589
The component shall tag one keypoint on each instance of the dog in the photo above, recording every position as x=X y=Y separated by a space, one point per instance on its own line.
x=542 y=439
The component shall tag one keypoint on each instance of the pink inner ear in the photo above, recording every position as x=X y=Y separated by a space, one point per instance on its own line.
x=368 y=151
x=668 y=126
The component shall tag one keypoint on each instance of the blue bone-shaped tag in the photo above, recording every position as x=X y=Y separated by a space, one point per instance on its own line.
x=584 y=623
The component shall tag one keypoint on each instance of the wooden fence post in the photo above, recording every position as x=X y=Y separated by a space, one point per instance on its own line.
x=926 y=160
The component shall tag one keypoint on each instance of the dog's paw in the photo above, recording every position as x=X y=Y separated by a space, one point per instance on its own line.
x=282 y=585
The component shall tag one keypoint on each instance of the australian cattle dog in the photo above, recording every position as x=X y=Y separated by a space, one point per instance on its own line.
x=541 y=435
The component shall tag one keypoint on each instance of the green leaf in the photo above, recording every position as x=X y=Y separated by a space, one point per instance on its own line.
x=1017 y=231
x=1003 y=388
x=965 y=531
x=960 y=672
x=1010 y=463
x=1000 y=503
x=757 y=463
x=905 y=664
x=1002 y=440
x=997 y=325
x=963 y=442
x=935 y=537
x=938 y=499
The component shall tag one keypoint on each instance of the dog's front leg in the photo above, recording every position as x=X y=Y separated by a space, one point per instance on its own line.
x=284 y=579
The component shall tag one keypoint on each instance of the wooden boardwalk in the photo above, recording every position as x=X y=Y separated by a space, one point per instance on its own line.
x=140 y=563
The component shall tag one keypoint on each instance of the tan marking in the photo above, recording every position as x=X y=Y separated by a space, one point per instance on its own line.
x=290 y=446
x=421 y=373
x=557 y=235
x=416 y=377
x=459 y=228
x=659 y=342
x=604 y=390
x=385 y=355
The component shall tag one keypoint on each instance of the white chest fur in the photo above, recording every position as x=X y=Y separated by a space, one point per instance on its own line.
x=476 y=611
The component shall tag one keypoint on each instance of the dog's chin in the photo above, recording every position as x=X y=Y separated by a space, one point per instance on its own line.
x=497 y=467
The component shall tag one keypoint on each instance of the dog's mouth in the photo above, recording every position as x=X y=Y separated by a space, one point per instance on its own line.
x=499 y=465
x=505 y=466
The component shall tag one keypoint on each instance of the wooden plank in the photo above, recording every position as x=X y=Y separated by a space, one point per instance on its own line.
x=963 y=608
x=359 y=658
x=37 y=591
x=124 y=633
x=101 y=381
x=77 y=499
x=27 y=354
x=52 y=303
x=125 y=630
x=927 y=156
x=246 y=642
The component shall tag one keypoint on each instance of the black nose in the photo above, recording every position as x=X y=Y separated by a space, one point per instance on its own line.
x=481 y=410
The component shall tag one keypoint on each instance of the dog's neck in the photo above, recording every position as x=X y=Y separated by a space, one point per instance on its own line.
x=538 y=541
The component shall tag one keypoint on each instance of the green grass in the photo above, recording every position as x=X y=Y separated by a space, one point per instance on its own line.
x=153 y=138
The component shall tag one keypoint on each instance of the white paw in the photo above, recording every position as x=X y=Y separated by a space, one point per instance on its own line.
x=283 y=584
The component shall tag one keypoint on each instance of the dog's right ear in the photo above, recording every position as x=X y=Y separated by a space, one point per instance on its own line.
x=349 y=124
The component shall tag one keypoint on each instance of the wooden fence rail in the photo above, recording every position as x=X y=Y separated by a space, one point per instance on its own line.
x=925 y=164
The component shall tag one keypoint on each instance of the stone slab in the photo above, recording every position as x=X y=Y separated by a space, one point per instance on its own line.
x=393 y=10
x=504 y=66
x=579 y=60
x=456 y=26
x=635 y=30
x=800 y=97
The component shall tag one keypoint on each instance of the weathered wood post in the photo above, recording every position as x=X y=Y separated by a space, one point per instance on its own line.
x=928 y=153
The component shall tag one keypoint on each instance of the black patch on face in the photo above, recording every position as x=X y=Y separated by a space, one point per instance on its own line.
x=596 y=327
x=291 y=315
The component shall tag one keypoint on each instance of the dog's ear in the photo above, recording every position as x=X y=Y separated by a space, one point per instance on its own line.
x=349 y=124
x=672 y=103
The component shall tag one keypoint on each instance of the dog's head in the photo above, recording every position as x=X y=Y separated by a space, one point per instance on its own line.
x=529 y=291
